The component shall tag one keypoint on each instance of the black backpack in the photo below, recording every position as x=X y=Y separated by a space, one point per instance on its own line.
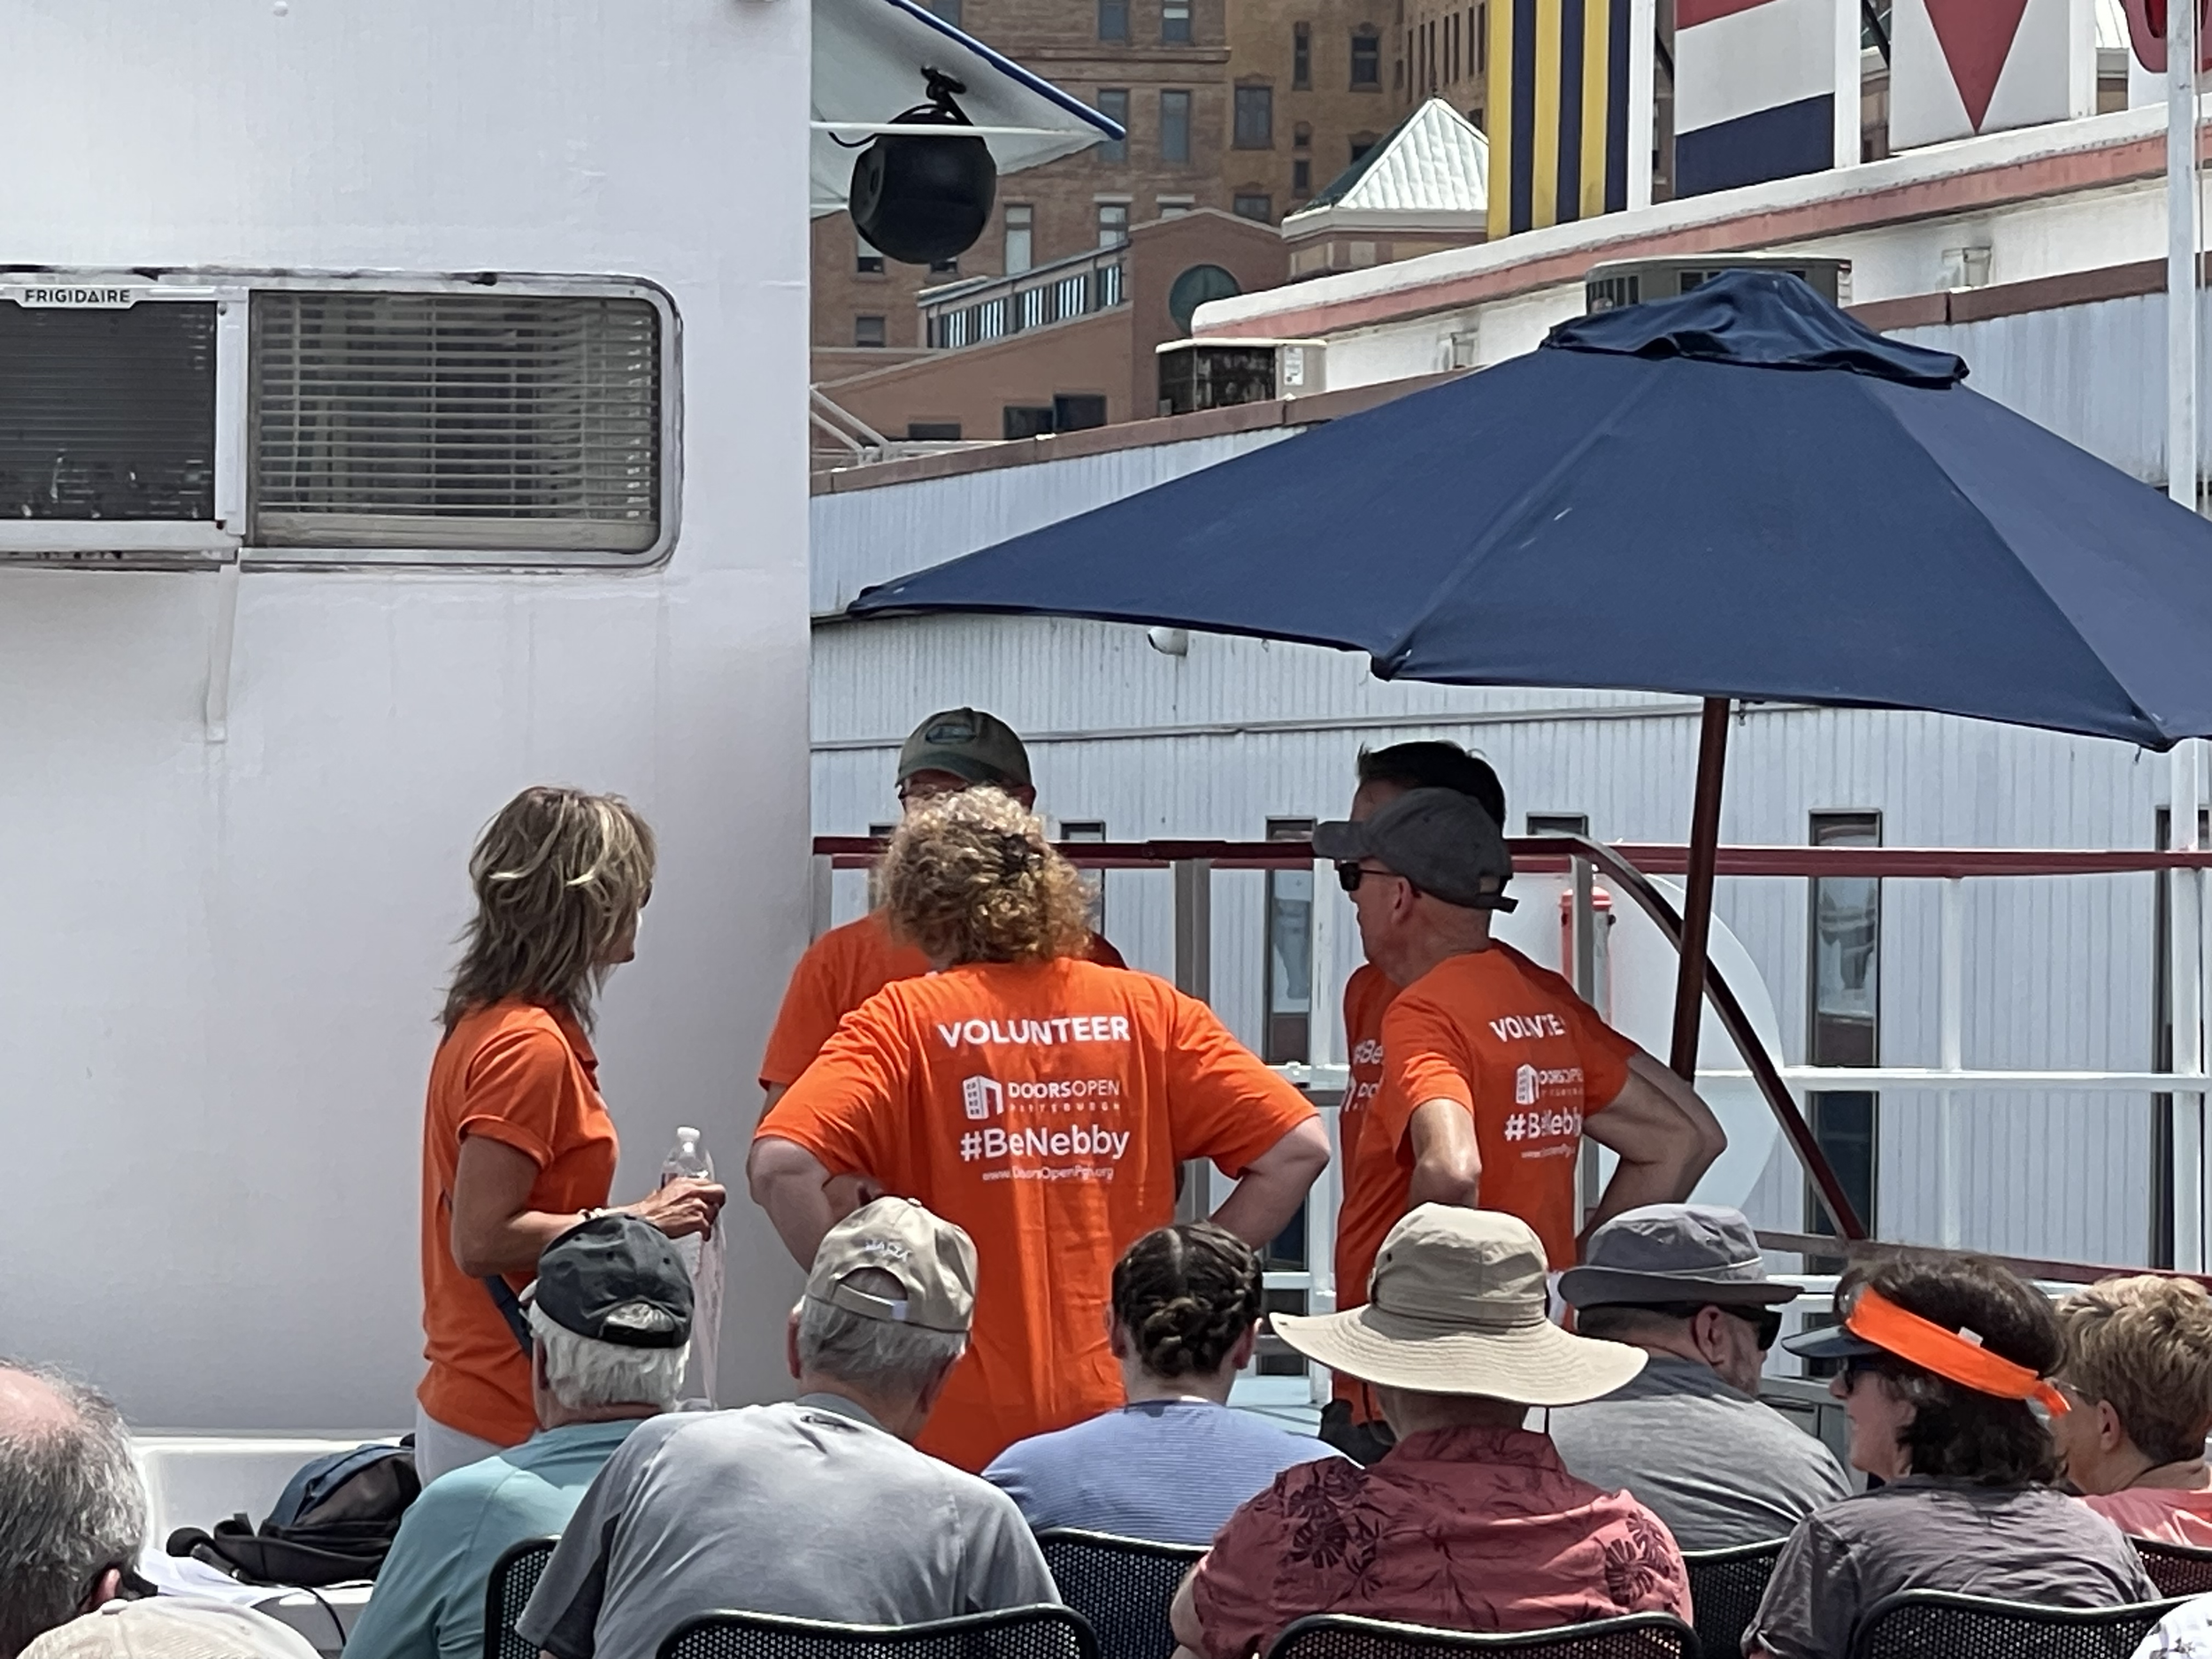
x=336 y=1522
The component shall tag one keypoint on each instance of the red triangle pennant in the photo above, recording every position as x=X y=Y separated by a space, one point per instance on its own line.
x=1977 y=37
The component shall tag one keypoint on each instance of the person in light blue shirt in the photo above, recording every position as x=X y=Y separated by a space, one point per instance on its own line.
x=610 y=1324
x=1177 y=1461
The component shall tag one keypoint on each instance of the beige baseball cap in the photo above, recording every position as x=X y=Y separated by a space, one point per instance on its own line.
x=170 y=1627
x=1456 y=1305
x=933 y=1260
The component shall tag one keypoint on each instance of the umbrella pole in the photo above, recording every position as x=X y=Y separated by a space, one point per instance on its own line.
x=1697 y=899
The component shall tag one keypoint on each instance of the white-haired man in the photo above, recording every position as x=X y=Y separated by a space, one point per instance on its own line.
x=816 y=1509
x=610 y=1320
x=72 y=1514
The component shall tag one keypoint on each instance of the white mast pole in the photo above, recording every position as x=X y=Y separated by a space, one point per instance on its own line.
x=2185 y=888
x=2181 y=252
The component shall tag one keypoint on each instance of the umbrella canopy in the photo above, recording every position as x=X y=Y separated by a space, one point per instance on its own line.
x=1740 y=493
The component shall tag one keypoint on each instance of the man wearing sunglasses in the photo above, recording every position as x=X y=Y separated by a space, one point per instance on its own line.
x=1687 y=1435
x=1492 y=1069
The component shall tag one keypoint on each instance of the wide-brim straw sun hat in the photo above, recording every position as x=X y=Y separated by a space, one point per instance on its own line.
x=1456 y=1305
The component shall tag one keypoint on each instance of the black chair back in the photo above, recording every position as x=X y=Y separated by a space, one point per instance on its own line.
x=1021 y=1632
x=2176 y=1569
x=1123 y=1585
x=514 y=1575
x=1725 y=1585
x=1941 y=1624
x=1339 y=1636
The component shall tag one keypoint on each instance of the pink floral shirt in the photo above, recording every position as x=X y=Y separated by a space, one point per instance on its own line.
x=1464 y=1529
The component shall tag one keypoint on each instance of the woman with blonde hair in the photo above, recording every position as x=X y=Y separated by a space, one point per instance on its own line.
x=1039 y=1101
x=2138 y=1372
x=517 y=1146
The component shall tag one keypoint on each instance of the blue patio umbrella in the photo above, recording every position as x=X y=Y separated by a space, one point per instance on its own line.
x=1741 y=493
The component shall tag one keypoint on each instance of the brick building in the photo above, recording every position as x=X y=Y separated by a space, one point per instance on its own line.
x=1069 y=345
x=1251 y=107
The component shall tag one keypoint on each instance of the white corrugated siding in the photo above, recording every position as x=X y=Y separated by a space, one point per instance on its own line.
x=880 y=533
x=2094 y=374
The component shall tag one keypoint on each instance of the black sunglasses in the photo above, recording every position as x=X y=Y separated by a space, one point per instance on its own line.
x=1349 y=874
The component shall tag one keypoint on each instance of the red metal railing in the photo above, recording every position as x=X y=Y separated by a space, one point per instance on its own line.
x=1628 y=866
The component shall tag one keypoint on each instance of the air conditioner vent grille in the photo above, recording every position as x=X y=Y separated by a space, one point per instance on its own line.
x=107 y=415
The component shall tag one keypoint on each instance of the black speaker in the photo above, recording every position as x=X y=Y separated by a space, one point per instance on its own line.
x=924 y=198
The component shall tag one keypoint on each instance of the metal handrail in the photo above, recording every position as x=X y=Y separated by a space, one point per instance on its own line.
x=1628 y=866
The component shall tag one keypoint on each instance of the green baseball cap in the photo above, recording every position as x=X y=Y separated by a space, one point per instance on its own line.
x=968 y=743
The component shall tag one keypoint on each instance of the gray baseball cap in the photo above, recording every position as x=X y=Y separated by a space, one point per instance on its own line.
x=1662 y=1252
x=970 y=744
x=1440 y=839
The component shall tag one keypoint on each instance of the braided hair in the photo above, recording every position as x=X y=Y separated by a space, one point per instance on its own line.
x=1187 y=1294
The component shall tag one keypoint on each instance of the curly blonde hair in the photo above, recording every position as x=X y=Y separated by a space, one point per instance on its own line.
x=559 y=876
x=971 y=878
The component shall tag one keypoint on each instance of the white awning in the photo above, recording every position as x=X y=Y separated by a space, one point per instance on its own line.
x=869 y=55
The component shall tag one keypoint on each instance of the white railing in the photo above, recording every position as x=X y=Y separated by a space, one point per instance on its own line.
x=983 y=309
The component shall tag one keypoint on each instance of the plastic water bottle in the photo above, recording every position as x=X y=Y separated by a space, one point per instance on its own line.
x=702 y=1258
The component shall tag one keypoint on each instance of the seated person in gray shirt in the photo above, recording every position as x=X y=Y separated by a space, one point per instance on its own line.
x=1176 y=1462
x=1686 y=1436
x=817 y=1509
x=1941 y=1356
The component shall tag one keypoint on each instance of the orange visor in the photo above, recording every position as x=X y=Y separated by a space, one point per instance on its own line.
x=1948 y=1354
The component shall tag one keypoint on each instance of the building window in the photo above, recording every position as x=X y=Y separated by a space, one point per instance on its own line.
x=866 y=260
x=1113 y=20
x=1077 y=412
x=945 y=267
x=1113 y=103
x=1302 y=55
x=1080 y=832
x=1175 y=22
x=868 y=331
x=933 y=432
x=1289 y=953
x=449 y=420
x=2162 y=1228
x=1113 y=224
x=1289 y=999
x=1482 y=37
x=1362 y=142
x=1175 y=126
x=1252 y=205
x=1302 y=178
x=1027 y=421
x=1019 y=219
x=1176 y=206
x=1255 y=117
x=1366 y=59
x=1843 y=1011
x=1451 y=48
x=1302 y=136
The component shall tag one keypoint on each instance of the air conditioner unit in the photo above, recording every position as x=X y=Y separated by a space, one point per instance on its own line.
x=1197 y=375
x=111 y=390
x=1632 y=281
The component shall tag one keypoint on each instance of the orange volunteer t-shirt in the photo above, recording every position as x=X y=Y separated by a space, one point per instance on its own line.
x=526 y=1077
x=1367 y=994
x=840 y=971
x=1527 y=1057
x=1044 y=1107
